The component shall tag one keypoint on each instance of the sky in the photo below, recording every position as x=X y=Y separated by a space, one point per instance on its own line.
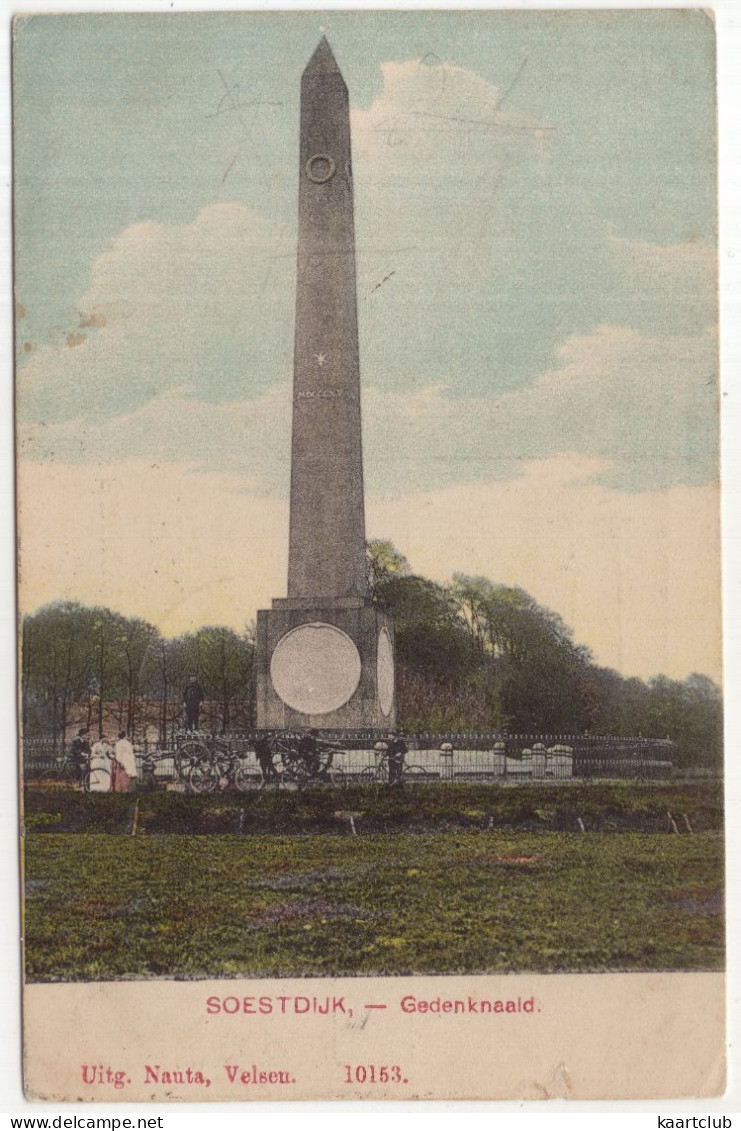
x=536 y=231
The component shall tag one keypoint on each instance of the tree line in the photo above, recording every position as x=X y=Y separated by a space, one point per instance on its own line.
x=476 y=656
x=94 y=667
x=471 y=655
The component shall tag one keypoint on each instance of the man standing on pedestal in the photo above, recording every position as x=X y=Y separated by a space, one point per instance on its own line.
x=192 y=697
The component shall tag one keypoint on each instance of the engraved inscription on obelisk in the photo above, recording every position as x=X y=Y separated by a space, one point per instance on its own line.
x=324 y=653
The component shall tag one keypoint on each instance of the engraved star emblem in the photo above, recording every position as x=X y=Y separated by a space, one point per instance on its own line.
x=321 y=358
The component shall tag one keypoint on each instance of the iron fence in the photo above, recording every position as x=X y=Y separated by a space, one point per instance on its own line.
x=431 y=757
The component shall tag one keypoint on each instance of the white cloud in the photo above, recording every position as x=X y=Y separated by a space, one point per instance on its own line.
x=184 y=344
x=646 y=405
x=636 y=576
x=607 y=395
x=170 y=306
x=689 y=267
x=248 y=437
x=426 y=108
x=437 y=161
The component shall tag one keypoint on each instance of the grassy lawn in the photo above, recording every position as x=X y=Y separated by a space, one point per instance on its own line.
x=456 y=901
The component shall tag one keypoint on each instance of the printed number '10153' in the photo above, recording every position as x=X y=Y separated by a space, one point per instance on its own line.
x=374 y=1074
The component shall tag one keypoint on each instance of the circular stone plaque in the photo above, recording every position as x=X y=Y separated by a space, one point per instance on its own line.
x=385 y=672
x=320 y=168
x=315 y=668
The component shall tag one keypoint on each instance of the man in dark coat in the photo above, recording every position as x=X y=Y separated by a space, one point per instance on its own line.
x=264 y=756
x=79 y=752
x=308 y=750
x=192 y=697
x=396 y=752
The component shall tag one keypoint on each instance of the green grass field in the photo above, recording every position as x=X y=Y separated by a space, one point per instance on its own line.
x=452 y=901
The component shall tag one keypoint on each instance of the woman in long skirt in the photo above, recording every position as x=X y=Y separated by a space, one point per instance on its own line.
x=124 y=765
x=100 y=766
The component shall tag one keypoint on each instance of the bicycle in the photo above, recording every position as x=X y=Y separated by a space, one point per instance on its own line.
x=75 y=775
x=381 y=773
x=68 y=773
x=97 y=780
x=219 y=767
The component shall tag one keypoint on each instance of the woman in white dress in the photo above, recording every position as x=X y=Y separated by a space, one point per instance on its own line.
x=124 y=768
x=100 y=766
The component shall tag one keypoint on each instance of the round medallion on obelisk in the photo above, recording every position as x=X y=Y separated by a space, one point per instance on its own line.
x=385 y=672
x=315 y=668
x=320 y=168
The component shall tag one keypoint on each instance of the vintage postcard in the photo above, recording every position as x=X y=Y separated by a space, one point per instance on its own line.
x=369 y=561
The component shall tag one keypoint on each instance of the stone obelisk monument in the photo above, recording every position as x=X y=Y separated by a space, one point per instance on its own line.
x=325 y=654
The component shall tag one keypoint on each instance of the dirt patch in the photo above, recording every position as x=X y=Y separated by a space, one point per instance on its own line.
x=697 y=901
x=299 y=880
x=99 y=908
x=520 y=862
x=287 y=913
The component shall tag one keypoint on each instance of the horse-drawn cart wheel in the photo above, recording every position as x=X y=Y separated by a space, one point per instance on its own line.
x=297 y=768
x=189 y=754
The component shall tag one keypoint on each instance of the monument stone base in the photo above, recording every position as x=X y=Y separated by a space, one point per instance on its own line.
x=327 y=665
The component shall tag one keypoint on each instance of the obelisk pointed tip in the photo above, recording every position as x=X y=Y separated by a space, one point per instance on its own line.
x=322 y=62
